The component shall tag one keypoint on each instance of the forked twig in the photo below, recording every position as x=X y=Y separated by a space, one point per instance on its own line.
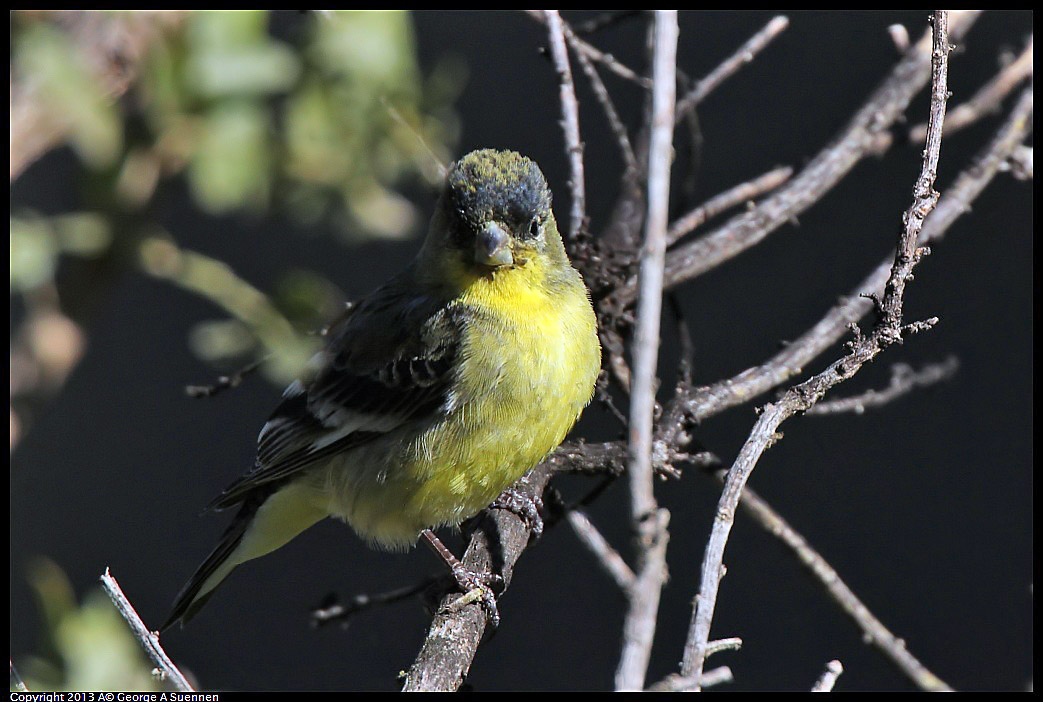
x=987 y=100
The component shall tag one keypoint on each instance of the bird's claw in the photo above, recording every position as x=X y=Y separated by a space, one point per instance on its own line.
x=525 y=507
x=477 y=588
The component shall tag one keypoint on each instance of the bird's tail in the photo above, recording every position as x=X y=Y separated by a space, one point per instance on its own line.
x=266 y=520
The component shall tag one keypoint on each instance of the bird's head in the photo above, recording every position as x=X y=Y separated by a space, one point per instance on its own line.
x=496 y=212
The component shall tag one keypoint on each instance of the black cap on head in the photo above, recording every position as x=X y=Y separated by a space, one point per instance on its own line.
x=488 y=185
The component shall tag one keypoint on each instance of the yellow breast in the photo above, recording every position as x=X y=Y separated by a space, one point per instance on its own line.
x=528 y=363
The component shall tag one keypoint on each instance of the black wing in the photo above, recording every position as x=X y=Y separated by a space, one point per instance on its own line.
x=351 y=401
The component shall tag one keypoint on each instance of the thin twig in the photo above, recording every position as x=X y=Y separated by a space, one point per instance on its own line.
x=603 y=98
x=336 y=611
x=903 y=381
x=729 y=198
x=226 y=382
x=569 y=122
x=829 y=677
x=733 y=643
x=595 y=54
x=707 y=401
x=874 y=631
x=987 y=100
x=404 y=123
x=888 y=330
x=16 y=680
x=149 y=640
x=607 y=557
x=649 y=521
x=676 y=683
x=856 y=141
x=746 y=53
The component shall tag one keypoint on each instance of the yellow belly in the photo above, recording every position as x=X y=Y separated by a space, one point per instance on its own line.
x=522 y=385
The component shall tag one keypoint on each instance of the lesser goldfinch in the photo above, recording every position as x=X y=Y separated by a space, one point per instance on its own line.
x=436 y=391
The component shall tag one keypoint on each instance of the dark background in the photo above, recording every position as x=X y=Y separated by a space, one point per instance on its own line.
x=923 y=507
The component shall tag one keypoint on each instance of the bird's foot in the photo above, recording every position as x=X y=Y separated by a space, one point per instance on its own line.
x=525 y=507
x=477 y=587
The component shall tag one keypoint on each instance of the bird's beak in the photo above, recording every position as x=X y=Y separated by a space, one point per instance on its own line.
x=493 y=246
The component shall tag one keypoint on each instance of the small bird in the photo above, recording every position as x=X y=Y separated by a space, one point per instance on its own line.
x=435 y=392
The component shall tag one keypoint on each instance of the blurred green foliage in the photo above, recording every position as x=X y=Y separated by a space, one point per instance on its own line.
x=43 y=55
x=37 y=242
x=323 y=127
x=324 y=122
x=84 y=647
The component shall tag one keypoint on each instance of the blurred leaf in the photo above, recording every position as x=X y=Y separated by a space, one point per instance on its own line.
x=83 y=233
x=221 y=340
x=34 y=253
x=36 y=243
x=382 y=211
x=232 y=55
x=138 y=177
x=228 y=28
x=253 y=70
x=159 y=87
x=46 y=60
x=54 y=594
x=374 y=46
x=313 y=139
x=230 y=167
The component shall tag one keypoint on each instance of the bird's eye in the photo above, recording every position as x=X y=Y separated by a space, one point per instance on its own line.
x=534 y=227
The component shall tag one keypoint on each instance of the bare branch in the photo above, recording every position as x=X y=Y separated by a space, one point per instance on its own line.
x=226 y=382
x=888 y=331
x=707 y=401
x=569 y=122
x=988 y=98
x=677 y=683
x=495 y=546
x=829 y=677
x=149 y=640
x=858 y=139
x=903 y=381
x=608 y=558
x=746 y=53
x=650 y=522
x=875 y=633
x=335 y=611
x=601 y=93
x=595 y=54
x=729 y=198
x=454 y=637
